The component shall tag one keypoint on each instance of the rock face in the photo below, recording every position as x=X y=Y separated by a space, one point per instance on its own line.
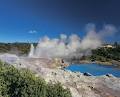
x=84 y=86
x=79 y=85
x=9 y=58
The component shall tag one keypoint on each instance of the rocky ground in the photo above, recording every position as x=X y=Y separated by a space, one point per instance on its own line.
x=79 y=84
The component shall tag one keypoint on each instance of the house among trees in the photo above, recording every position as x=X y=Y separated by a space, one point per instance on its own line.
x=107 y=46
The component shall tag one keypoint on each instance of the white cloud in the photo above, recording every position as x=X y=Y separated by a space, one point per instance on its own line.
x=32 y=31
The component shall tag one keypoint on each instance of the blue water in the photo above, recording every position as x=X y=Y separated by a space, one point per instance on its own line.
x=95 y=69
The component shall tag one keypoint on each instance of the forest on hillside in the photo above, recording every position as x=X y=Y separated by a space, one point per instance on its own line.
x=106 y=54
x=15 y=48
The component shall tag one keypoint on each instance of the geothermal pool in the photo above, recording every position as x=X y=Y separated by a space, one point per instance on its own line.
x=95 y=69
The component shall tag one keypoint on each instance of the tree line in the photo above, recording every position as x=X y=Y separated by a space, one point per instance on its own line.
x=15 y=48
x=106 y=54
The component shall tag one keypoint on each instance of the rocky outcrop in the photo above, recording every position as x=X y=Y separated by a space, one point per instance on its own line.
x=79 y=84
x=84 y=86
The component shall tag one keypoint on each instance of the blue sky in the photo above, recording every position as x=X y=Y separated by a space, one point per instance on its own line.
x=53 y=17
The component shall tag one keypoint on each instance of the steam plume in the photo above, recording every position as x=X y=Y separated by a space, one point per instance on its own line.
x=70 y=45
x=31 y=53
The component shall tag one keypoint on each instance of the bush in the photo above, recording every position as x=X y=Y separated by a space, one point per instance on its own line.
x=23 y=83
x=57 y=91
x=106 y=53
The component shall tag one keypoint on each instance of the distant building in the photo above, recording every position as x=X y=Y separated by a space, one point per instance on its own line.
x=108 y=46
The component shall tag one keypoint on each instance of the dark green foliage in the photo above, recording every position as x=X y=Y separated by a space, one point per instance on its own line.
x=23 y=83
x=106 y=54
x=15 y=48
x=57 y=91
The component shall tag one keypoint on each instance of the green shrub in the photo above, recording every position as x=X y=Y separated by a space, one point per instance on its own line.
x=23 y=83
x=57 y=91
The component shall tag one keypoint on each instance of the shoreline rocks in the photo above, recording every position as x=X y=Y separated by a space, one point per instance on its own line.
x=112 y=63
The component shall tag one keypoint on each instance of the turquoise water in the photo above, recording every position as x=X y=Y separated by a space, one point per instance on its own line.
x=95 y=69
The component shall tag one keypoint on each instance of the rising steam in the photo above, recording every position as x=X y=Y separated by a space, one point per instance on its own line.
x=70 y=45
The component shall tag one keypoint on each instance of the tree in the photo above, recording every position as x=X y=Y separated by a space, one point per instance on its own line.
x=115 y=44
